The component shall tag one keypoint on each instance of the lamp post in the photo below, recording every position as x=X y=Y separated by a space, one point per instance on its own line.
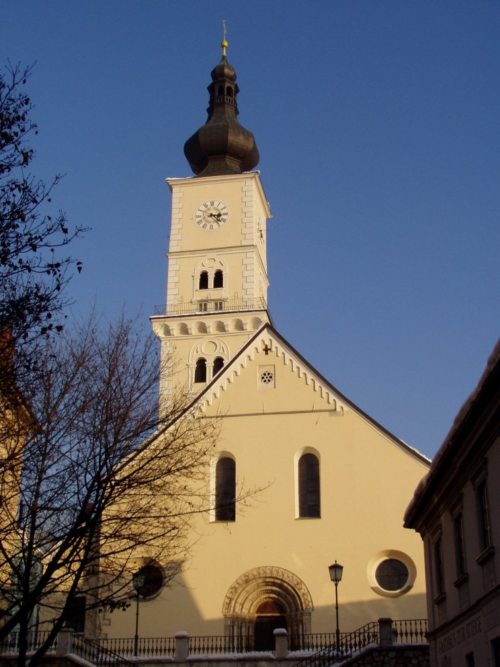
x=336 y=576
x=138 y=581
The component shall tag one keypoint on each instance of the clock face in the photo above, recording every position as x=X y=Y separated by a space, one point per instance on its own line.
x=211 y=214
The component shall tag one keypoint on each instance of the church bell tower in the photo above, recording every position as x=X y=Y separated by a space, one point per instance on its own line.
x=217 y=266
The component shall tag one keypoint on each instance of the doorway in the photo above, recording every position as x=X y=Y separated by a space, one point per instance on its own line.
x=270 y=616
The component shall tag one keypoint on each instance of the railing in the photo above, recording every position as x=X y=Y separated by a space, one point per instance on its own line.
x=323 y=648
x=315 y=641
x=217 y=645
x=10 y=644
x=212 y=305
x=350 y=642
x=96 y=654
x=382 y=633
x=411 y=631
x=146 y=646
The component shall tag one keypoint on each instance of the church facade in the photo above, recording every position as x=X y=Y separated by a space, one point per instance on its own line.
x=301 y=476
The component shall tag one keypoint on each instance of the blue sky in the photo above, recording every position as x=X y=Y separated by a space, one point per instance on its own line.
x=378 y=128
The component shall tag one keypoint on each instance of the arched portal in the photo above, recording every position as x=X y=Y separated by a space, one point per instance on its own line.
x=262 y=600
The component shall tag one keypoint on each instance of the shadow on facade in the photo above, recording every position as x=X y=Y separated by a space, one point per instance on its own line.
x=255 y=605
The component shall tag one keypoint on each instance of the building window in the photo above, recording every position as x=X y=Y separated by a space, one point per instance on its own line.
x=203 y=306
x=458 y=530
x=495 y=650
x=218 y=305
x=391 y=574
x=75 y=613
x=200 y=372
x=469 y=660
x=218 y=278
x=203 y=284
x=266 y=376
x=218 y=364
x=438 y=567
x=225 y=489
x=483 y=515
x=309 y=490
x=150 y=580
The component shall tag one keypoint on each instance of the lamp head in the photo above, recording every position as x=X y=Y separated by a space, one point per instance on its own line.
x=336 y=572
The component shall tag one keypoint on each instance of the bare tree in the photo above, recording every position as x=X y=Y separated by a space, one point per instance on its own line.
x=33 y=273
x=103 y=480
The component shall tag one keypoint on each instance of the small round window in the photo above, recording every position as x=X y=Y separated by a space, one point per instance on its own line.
x=391 y=574
x=266 y=377
x=148 y=581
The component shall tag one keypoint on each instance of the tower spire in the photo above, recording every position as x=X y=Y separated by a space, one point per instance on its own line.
x=222 y=145
x=224 y=44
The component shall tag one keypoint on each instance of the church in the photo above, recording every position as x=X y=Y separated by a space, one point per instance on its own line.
x=331 y=484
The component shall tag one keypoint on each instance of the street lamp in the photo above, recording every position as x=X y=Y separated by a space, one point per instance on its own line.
x=336 y=576
x=138 y=581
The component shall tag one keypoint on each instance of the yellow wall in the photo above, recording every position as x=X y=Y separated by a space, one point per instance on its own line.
x=367 y=479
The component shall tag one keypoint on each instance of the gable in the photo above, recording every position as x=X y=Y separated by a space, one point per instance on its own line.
x=269 y=377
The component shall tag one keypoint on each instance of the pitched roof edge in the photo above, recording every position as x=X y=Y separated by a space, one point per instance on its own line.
x=401 y=443
x=452 y=441
x=365 y=415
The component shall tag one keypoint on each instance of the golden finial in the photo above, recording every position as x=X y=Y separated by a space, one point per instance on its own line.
x=224 y=44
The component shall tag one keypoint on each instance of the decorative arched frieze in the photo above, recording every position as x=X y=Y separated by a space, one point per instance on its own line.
x=238 y=325
x=219 y=326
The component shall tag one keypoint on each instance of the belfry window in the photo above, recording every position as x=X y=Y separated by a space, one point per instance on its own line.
x=225 y=489
x=309 y=489
x=200 y=372
x=218 y=364
x=218 y=278
x=203 y=284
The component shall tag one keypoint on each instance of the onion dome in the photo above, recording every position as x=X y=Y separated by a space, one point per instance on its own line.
x=222 y=145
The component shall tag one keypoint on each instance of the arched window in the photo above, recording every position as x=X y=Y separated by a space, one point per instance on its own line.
x=218 y=364
x=229 y=91
x=218 y=278
x=204 y=280
x=200 y=372
x=225 y=489
x=309 y=491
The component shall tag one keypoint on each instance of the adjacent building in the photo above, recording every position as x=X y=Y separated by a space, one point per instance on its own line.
x=456 y=509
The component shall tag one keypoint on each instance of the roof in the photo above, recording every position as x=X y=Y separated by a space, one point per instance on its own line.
x=486 y=392
x=333 y=395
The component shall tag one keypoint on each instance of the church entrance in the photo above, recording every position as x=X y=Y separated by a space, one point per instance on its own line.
x=270 y=616
x=262 y=600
